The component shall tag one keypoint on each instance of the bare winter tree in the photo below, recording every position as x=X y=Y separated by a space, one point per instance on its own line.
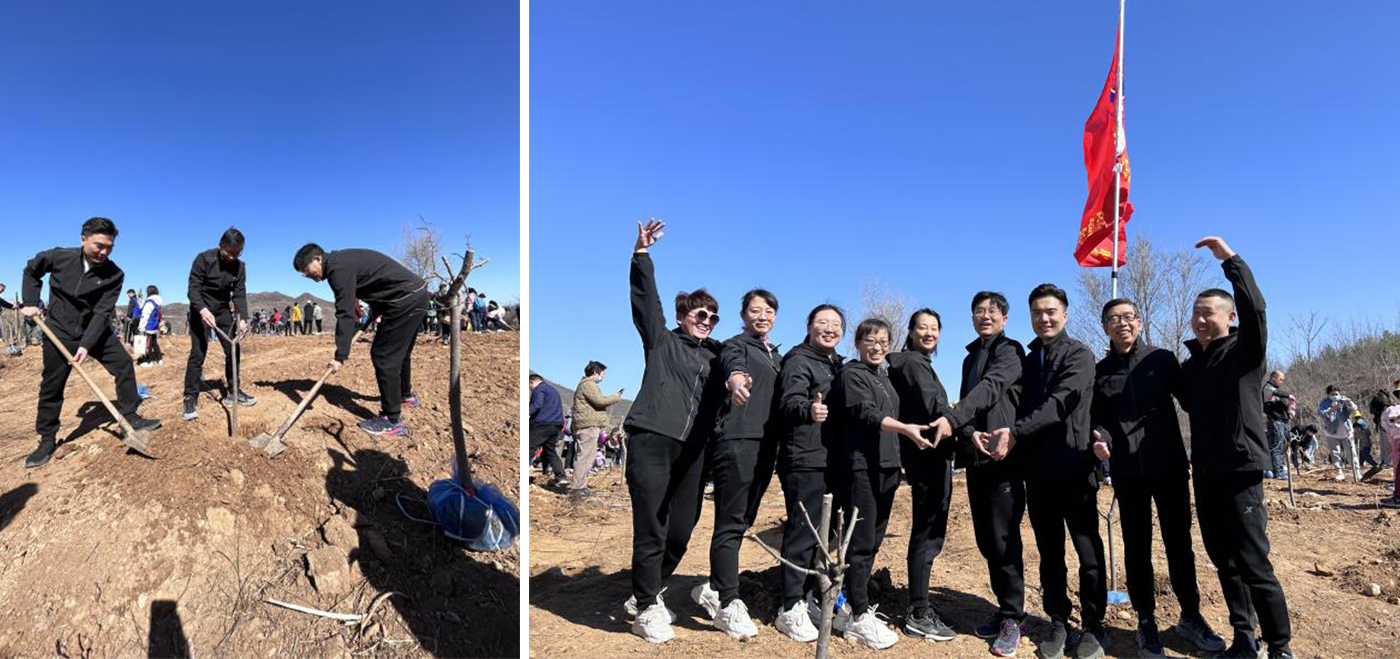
x=878 y=300
x=1306 y=331
x=420 y=248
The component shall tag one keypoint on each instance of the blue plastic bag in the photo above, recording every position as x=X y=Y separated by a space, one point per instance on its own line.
x=486 y=521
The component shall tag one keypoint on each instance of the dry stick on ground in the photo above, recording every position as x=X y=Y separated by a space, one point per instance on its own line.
x=830 y=576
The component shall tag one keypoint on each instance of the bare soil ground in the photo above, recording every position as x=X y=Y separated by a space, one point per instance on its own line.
x=107 y=553
x=580 y=556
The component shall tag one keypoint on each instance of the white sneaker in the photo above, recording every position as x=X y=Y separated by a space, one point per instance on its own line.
x=707 y=598
x=796 y=623
x=1339 y=477
x=839 y=623
x=735 y=621
x=871 y=632
x=630 y=606
x=654 y=624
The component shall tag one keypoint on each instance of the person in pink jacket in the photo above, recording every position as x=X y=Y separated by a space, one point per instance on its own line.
x=1390 y=424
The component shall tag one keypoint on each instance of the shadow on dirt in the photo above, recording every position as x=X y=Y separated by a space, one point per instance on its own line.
x=12 y=502
x=335 y=394
x=167 y=634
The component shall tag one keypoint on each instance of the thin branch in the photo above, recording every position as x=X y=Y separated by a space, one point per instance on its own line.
x=343 y=617
x=807 y=517
x=784 y=561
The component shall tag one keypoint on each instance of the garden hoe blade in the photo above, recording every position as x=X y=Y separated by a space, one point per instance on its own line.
x=272 y=443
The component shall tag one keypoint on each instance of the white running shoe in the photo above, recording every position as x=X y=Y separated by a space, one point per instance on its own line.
x=630 y=606
x=654 y=624
x=796 y=623
x=735 y=621
x=707 y=598
x=839 y=623
x=871 y=632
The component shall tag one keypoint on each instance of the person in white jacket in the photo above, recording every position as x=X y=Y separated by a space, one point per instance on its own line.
x=151 y=317
x=1390 y=425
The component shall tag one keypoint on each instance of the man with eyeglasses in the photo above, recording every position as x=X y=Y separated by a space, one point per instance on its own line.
x=1136 y=429
x=218 y=295
x=996 y=493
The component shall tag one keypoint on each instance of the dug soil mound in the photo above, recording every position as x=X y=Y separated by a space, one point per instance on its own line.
x=108 y=553
x=1336 y=553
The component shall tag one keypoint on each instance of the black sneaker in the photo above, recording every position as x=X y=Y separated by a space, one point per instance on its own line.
x=139 y=423
x=988 y=629
x=191 y=408
x=1246 y=646
x=41 y=455
x=1149 y=642
x=1091 y=642
x=927 y=624
x=1052 y=645
x=1280 y=653
x=581 y=493
x=1194 y=628
x=243 y=399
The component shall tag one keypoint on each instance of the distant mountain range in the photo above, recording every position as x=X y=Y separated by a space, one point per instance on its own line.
x=616 y=414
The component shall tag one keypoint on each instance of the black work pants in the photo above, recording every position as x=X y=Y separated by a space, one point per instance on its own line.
x=542 y=435
x=392 y=351
x=1172 y=494
x=742 y=469
x=800 y=546
x=872 y=497
x=663 y=480
x=199 y=346
x=108 y=352
x=930 y=493
x=1234 y=529
x=996 y=497
x=1057 y=502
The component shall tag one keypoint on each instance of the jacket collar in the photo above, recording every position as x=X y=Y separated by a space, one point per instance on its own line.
x=833 y=359
x=991 y=342
x=686 y=337
x=1194 y=345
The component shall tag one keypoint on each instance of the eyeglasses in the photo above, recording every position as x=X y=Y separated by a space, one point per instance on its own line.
x=827 y=324
x=986 y=313
x=704 y=316
x=881 y=343
x=1121 y=318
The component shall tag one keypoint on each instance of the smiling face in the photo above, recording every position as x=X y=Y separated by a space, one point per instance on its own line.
x=759 y=317
x=924 y=334
x=97 y=247
x=1047 y=317
x=699 y=323
x=825 y=330
x=874 y=347
x=1211 y=318
x=1122 y=325
x=988 y=319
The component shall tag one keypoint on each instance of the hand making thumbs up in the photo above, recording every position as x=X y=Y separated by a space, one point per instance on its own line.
x=1100 y=446
x=818 y=409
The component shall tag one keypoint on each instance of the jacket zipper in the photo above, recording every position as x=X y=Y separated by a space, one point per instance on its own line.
x=690 y=416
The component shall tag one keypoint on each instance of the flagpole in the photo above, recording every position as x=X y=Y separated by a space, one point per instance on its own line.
x=1118 y=147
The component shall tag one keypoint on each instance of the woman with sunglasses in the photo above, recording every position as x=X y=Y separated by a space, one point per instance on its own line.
x=741 y=458
x=805 y=453
x=868 y=409
x=669 y=425
x=929 y=469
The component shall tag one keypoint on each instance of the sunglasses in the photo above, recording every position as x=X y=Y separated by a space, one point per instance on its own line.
x=704 y=316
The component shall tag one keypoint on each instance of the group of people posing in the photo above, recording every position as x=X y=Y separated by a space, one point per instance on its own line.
x=1030 y=427
x=84 y=285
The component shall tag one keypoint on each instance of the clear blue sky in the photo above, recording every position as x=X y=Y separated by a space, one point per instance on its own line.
x=336 y=122
x=802 y=146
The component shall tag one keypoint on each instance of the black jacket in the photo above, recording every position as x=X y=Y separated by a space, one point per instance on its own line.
x=922 y=400
x=681 y=389
x=1052 y=424
x=806 y=372
x=368 y=276
x=1275 y=403
x=214 y=285
x=80 y=304
x=748 y=354
x=1133 y=410
x=861 y=399
x=1224 y=382
x=988 y=398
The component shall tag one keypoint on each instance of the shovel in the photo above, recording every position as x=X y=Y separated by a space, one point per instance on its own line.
x=137 y=441
x=273 y=443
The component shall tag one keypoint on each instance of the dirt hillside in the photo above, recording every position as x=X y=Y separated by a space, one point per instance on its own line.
x=110 y=554
x=580 y=556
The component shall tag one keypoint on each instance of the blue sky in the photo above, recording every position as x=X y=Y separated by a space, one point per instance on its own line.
x=333 y=122
x=805 y=146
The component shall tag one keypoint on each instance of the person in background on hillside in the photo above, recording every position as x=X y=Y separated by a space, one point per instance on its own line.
x=444 y=304
x=84 y=285
x=297 y=326
x=496 y=317
x=1276 y=401
x=670 y=424
x=1390 y=424
x=468 y=308
x=1362 y=429
x=1337 y=412
x=1303 y=442
x=430 y=319
x=1136 y=428
x=218 y=294
x=306 y=311
x=132 y=317
x=546 y=424
x=1378 y=404
x=590 y=416
x=1224 y=397
x=317 y=314
x=150 y=328
x=479 y=312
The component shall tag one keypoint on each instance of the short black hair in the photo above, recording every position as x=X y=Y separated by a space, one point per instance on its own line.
x=1218 y=292
x=1048 y=290
x=232 y=239
x=812 y=317
x=535 y=376
x=696 y=299
x=1115 y=302
x=100 y=225
x=131 y=290
x=1331 y=389
x=914 y=322
x=770 y=298
x=594 y=367
x=152 y=290
x=870 y=326
x=998 y=300
x=305 y=254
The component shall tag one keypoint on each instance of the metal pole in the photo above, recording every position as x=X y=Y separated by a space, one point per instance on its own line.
x=1118 y=146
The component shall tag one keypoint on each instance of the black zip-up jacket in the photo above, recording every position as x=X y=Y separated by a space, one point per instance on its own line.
x=681 y=390
x=747 y=353
x=922 y=399
x=80 y=303
x=368 y=276
x=806 y=444
x=214 y=285
x=1224 y=385
x=988 y=398
x=1275 y=403
x=1052 y=425
x=1133 y=411
x=862 y=397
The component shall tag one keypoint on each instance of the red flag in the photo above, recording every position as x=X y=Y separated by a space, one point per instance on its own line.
x=1104 y=143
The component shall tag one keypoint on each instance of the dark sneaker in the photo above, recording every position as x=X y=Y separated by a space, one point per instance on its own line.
x=989 y=629
x=381 y=426
x=581 y=493
x=410 y=401
x=1280 y=653
x=191 y=408
x=1149 y=642
x=41 y=455
x=1052 y=645
x=1091 y=642
x=1008 y=638
x=1246 y=646
x=139 y=423
x=243 y=399
x=1193 y=628
x=1392 y=501
x=927 y=624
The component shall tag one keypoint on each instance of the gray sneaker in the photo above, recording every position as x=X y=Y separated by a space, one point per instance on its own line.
x=1008 y=639
x=1052 y=646
x=927 y=625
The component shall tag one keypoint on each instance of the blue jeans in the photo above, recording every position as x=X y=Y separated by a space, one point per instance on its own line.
x=1278 y=443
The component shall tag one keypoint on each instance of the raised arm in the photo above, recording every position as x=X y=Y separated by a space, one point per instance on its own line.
x=1253 y=338
x=647 y=313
